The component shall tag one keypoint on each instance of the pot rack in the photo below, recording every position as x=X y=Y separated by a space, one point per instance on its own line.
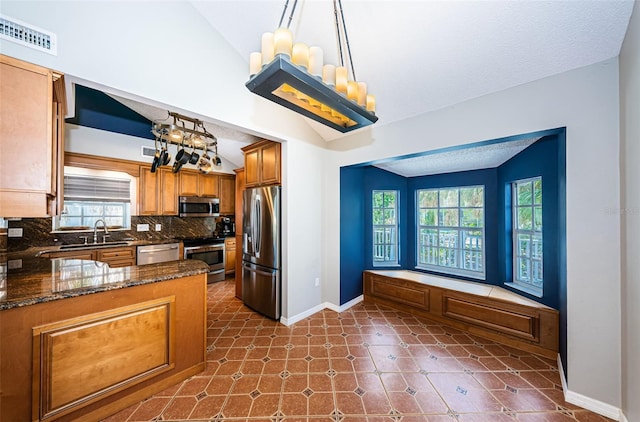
x=178 y=133
x=197 y=137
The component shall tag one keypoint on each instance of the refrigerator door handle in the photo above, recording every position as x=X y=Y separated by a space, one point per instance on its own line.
x=258 y=226
x=255 y=270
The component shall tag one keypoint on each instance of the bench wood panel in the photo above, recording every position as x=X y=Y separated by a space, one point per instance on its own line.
x=530 y=328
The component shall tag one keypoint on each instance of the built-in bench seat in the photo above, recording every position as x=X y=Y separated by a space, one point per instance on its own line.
x=485 y=310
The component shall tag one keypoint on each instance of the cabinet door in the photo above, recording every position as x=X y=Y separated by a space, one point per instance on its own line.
x=26 y=114
x=252 y=168
x=238 y=195
x=117 y=257
x=168 y=192
x=230 y=261
x=89 y=255
x=227 y=194
x=208 y=184
x=270 y=164
x=148 y=191
x=189 y=183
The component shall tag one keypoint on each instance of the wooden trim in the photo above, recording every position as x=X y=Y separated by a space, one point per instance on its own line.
x=75 y=159
x=11 y=61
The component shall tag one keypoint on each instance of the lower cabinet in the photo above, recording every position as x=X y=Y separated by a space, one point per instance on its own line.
x=122 y=256
x=230 y=255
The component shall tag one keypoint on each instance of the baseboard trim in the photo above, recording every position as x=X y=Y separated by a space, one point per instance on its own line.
x=320 y=307
x=589 y=403
x=344 y=306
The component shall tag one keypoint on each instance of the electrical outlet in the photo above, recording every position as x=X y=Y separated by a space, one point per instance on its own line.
x=143 y=227
x=317 y=281
x=15 y=232
x=158 y=227
x=14 y=264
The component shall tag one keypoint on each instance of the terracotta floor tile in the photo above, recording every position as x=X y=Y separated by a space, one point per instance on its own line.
x=179 y=408
x=150 y=409
x=367 y=364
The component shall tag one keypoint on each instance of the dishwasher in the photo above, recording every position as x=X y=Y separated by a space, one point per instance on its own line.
x=152 y=254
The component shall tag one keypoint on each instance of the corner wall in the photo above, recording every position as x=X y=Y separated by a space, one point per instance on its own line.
x=630 y=212
x=586 y=102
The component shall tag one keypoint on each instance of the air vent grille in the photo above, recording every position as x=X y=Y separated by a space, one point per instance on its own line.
x=148 y=151
x=28 y=35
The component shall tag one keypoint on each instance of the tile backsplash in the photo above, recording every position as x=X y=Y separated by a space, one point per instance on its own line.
x=36 y=232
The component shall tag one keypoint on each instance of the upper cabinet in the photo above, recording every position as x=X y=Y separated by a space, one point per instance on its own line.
x=227 y=194
x=32 y=109
x=262 y=164
x=193 y=183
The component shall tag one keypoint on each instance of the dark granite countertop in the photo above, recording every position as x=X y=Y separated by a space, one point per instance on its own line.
x=26 y=279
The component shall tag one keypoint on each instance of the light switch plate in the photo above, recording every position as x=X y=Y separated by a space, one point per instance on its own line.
x=158 y=227
x=15 y=232
x=143 y=227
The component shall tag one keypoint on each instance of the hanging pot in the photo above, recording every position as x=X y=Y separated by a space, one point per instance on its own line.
x=193 y=159
x=156 y=158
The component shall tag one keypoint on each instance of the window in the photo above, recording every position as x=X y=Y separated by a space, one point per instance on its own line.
x=527 y=235
x=89 y=197
x=451 y=230
x=385 y=227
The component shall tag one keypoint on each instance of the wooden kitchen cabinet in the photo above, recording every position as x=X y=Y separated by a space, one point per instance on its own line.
x=124 y=256
x=189 y=183
x=239 y=215
x=209 y=185
x=32 y=113
x=120 y=256
x=148 y=192
x=168 y=192
x=158 y=192
x=227 y=194
x=230 y=255
x=262 y=164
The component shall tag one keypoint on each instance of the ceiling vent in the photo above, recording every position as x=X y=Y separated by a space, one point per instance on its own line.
x=28 y=35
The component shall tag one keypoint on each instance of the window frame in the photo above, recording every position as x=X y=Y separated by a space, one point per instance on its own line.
x=129 y=205
x=394 y=227
x=454 y=271
x=516 y=282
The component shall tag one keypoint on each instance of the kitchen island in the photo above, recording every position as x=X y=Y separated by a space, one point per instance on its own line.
x=80 y=340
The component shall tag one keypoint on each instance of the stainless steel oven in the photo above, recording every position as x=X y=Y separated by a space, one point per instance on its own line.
x=210 y=251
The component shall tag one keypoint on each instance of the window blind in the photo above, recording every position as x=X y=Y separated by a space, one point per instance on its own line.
x=89 y=188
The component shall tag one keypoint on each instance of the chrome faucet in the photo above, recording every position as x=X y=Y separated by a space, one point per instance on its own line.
x=95 y=229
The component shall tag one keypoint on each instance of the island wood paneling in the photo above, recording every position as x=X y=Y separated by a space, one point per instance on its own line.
x=84 y=359
x=17 y=403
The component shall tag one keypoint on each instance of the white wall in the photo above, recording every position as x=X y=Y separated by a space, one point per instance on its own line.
x=302 y=227
x=164 y=51
x=86 y=140
x=630 y=211
x=586 y=102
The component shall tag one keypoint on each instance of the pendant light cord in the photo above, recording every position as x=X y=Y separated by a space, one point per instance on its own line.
x=338 y=39
x=284 y=11
x=346 y=39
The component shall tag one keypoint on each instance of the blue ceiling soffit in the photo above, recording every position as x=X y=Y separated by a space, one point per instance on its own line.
x=97 y=110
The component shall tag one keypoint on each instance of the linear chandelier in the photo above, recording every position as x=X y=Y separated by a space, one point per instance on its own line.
x=294 y=76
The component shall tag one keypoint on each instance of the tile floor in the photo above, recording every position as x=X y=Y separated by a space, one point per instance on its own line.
x=369 y=364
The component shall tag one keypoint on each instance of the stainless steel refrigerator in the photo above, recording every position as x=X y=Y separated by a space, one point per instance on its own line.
x=261 y=278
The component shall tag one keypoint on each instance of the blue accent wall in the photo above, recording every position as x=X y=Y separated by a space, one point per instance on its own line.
x=97 y=110
x=540 y=159
x=352 y=225
x=378 y=179
x=487 y=178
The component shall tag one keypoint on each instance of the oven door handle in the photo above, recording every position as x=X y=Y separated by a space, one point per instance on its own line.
x=206 y=248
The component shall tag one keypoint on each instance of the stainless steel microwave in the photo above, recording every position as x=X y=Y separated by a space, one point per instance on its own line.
x=195 y=206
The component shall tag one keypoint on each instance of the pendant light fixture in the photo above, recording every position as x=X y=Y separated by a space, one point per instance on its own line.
x=294 y=76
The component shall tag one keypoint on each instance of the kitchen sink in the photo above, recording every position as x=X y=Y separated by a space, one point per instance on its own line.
x=93 y=245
